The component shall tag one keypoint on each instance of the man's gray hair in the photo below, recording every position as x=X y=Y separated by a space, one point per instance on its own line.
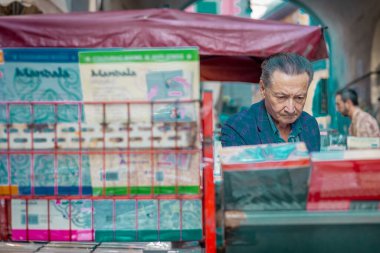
x=288 y=63
x=348 y=94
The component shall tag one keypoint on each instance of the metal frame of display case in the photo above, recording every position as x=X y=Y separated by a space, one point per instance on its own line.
x=204 y=127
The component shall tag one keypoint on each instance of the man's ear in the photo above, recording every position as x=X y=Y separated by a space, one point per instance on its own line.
x=349 y=103
x=262 y=88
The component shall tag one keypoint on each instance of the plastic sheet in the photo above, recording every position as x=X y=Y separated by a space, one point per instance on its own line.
x=265 y=177
x=107 y=220
x=345 y=180
x=219 y=38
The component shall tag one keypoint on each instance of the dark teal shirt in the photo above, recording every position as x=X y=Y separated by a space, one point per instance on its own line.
x=294 y=133
x=252 y=127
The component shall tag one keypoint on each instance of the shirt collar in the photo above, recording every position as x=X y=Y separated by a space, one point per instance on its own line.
x=296 y=126
x=272 y=124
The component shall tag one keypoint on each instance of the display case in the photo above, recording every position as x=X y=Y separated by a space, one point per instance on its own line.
x=332 y=207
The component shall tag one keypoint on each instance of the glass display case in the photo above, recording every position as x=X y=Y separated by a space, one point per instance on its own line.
x=279 y=200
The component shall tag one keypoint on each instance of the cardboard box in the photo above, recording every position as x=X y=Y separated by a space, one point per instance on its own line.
x=51 y=175
x=146 y=173
x=148 y=220
x=62 y=220
x=362 y=142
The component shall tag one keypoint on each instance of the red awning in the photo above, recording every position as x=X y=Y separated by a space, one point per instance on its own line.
x=231 y=48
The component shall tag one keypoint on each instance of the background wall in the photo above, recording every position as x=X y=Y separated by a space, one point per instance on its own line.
x=354 y=40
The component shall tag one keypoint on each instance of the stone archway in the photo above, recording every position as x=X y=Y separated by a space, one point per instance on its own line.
x=17 y=8
x=375 y=65
x=26 y=7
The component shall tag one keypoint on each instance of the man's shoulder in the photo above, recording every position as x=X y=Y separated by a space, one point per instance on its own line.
x=308 y=122
x=365 y=119
x=365 y=125
x=239 y=128
x=307 y=118
x=310 y=129
x=247 y=115
x=363 y=115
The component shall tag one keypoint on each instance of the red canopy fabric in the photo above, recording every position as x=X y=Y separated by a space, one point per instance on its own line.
x=231 y=48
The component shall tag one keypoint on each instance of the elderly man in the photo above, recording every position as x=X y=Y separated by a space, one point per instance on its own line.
x=362 y=123
x=279 y=117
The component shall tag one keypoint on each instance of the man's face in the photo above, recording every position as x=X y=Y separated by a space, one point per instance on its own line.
x=341 y=106
x=285 y=96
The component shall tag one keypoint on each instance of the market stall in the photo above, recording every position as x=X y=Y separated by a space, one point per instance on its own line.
x=230 y=49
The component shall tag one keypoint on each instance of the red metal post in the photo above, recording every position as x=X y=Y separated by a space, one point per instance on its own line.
x=208 y=174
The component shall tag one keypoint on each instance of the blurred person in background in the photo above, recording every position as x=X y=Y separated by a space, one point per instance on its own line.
x=362 y=123
x=279 y=117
